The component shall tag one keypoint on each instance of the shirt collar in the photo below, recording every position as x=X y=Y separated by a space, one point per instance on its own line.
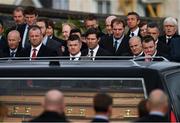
x=135 y=32
x=45 y=40
x=95 y=51
x=156 y=113
x=13 y=50
x=139 y=54
x=37 y=48
x=154 y=54
x=101 y=116
x=77 y=56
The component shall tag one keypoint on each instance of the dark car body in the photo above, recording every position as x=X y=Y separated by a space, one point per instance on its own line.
x=163 y=75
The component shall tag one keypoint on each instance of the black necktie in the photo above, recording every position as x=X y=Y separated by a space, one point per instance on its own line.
x=72 y=58
x=115 y=45
x=91 y=53
x=132 y=34
x=12 y=54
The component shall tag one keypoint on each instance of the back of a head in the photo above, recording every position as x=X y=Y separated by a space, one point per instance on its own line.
x=142 y=108
x=54 y=101
x=102 y=102
x=158 y=101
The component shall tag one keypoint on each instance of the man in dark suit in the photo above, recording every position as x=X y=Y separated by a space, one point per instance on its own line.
x=37 y=49
x=50 y=43
x=54 y=107
x=3 y=42
x=94 y=50
x=153 y=30
x=31 y=15
x=170 y=26
x=116 y=44
x=74 y=47
x=102 y=104
x=158 y=106
x=136 y=46
x=150 y=48
x=133 y=20
x=13 y=50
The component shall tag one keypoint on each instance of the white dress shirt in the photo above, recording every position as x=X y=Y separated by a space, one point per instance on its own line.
x=77 y=56
x=37 y=50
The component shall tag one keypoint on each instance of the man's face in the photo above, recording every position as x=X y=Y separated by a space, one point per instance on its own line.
x=118 y=30
x=30 y=19
x=132 y=21
x=143 y=30
x=170 y=29
x=135 y=46
x=42 y=25
x=92 y=41
x=66 y=31
x=13 y=40
x=74 y=47
x=35 y=37
x=149 y=48
x=18 y=17
x=154 y=32
x=49 y=31
x=91 y=24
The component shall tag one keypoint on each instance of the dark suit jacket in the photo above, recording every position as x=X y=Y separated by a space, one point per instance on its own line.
x=100 y=52
x=50 y=117
x=107 y=44
x=43 y=52
x=152 y=118
x=163 y=38
x=54 y=45
x=174 y=49
x=17 y=54
x=3 y=43
x=128 y=33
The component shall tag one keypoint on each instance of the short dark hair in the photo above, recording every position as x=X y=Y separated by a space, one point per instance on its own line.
x=30 y=10
x=34 y=27
x=90 y=17
x=73 y=37
x=134 y=13
x=50 y=23
x=147 y=39
x=92 y=31
x=43 y=20
x=142 y=23
x=75 y=30
x=118 y=21
x=18 y=9
x=101 y=102
x=153 y=25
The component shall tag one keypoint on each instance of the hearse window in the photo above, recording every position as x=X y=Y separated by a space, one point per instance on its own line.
x=82 y=84
x=23 y=96
x=173 y=84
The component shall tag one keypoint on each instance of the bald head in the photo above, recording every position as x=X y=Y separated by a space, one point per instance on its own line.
x=135 y=45
x=108 y=23
x=54 y=101
x=13 y=39
x=158 y=101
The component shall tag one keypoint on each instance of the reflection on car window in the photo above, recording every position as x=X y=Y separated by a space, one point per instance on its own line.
x=173 y=83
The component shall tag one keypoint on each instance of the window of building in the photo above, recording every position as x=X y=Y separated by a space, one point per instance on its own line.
x=61 y=4
x=103 y=6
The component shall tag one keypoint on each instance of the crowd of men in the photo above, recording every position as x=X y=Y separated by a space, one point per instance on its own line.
x=34 y=37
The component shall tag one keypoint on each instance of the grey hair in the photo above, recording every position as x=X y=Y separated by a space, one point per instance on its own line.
x=171 y=20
